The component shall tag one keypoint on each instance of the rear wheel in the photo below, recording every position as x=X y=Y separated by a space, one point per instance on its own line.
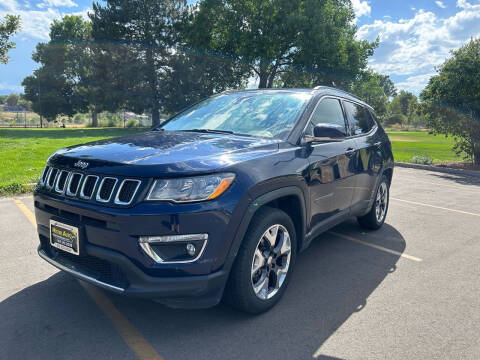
x=375 y=218
x=264 y=262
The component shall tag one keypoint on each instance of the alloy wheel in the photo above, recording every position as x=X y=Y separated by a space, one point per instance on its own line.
x=271 y=261
x=381 y=202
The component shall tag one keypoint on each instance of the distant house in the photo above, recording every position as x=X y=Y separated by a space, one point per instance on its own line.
x=14 y=108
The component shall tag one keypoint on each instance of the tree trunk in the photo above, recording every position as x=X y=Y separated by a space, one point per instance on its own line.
x=476 y=153
x=94 y=118
x=155 y=116
x=263 y=80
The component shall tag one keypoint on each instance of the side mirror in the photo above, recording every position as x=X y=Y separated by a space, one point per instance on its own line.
x=329 y=131
x=326 y=133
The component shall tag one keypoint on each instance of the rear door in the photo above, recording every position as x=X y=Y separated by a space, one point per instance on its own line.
x=363 y=128
x=331 y=165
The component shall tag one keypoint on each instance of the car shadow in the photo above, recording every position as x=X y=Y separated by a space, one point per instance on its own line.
x=332 y=280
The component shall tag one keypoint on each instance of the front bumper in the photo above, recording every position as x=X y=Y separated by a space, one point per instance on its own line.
x=112 y=258
x=190 y=292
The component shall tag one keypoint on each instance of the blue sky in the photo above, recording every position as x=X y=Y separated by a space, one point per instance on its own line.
x=416 y=35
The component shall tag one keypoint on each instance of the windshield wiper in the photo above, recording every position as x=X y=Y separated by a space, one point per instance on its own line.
x=211 y=131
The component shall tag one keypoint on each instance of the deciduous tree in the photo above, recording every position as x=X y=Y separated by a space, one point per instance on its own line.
x=451 y=100
x=289 y=43
x=8 y=27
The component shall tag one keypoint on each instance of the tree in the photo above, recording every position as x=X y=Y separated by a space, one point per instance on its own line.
x=144 y=39
x=289 y=43
x=12 y=100
x=451 y=99
x=375 y=89
x=8 y=27
x=404 y=104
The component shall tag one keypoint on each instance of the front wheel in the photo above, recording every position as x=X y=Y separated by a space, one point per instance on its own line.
x=375 y=218
x=264 y=262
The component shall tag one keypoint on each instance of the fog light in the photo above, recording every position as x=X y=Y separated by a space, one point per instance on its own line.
x=174 y=248
x=191 y=249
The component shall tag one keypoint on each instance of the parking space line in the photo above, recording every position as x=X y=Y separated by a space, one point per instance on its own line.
x=139 y=345
x=378 y=247
x=459 y=187
x=132 y=337
x=26 y=211
x=436 y=207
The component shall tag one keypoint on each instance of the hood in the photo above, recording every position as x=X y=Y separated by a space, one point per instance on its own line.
x=163 y=152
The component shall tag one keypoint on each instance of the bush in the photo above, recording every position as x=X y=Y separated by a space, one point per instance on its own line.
x=131 y=123
x=422 y=159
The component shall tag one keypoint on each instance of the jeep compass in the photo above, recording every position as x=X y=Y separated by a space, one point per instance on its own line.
x=218 y=201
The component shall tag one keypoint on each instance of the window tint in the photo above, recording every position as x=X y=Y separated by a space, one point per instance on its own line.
x=360 y=119
x=329 y=112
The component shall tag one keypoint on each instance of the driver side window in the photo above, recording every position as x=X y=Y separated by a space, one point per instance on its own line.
x=328 y=112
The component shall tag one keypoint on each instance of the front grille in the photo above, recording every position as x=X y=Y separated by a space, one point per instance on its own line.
x=74 y=183
x=44 y=174
x=90 y=187
x=127 y=191
x=106 y=189
x=51 y=178
x=61 y=181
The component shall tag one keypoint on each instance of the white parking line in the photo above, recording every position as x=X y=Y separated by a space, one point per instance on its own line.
x=436 y=207
x=378 y=247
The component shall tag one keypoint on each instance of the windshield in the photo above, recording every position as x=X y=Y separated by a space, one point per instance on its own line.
x=269 y=114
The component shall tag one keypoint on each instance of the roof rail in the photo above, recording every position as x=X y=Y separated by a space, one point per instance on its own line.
x=339 y=90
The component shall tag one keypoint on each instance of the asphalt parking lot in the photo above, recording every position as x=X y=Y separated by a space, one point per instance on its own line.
x=410 y=290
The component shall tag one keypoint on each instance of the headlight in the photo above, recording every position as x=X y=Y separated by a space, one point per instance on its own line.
x=196 y=188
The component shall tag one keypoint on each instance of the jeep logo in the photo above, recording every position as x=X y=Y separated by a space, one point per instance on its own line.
x=81 y=164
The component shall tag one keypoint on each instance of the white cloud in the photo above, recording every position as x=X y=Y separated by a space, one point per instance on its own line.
x=416 y=45
x=361 y=8
x=36 y=23
x=414 y=84
x=56 y=3
x=440 y=4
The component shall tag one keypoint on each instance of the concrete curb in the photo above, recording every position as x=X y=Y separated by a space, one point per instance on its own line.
x=439 y=169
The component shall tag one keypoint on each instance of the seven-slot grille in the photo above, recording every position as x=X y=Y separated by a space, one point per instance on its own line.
x=90 y=187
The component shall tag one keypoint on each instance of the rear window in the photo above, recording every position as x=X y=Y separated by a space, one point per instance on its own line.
x=360 y=118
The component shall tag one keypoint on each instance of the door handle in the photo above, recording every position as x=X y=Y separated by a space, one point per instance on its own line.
x=350 y=152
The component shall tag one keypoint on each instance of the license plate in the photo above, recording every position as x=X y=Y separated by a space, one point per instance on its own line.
x=64 y=237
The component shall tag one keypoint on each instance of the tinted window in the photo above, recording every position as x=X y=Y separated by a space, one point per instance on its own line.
x=329 y=112
x=266 y=114
x=360 y=119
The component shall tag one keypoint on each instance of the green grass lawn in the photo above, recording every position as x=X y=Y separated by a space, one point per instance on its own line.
x=23 y=152
x=406 y=144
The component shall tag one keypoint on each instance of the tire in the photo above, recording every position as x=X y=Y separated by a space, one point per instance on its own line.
x=375 y=218
x=246 y=289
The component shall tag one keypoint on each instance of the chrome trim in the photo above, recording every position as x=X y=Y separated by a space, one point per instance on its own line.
x=67 y=189
x=173 y=238
x=97 y=197
x=41 y=182
x=82 y=195
x=48 y=178
x=154 y=256
x=117 y=201
x=78 y=274
x=58 y=180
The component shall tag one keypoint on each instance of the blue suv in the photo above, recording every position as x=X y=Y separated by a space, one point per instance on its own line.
x=218 y=201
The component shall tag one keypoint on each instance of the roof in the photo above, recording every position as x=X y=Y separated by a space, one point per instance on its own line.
x=330 y=90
